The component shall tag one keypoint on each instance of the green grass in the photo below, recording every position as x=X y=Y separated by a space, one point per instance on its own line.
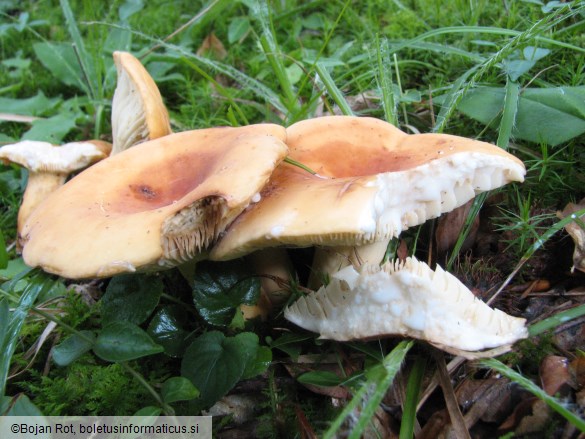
x=417 y=61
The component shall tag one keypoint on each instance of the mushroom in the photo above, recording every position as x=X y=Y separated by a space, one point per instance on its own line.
x=407 y=299
x=48 y=168
x=138 y=111
x=155 y=205
x=372 y=181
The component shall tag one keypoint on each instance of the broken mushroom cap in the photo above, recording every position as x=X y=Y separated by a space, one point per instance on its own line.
x=155 y=205
x=49 y=166
x=138 y=111
x=372 y=181
x=406 y=299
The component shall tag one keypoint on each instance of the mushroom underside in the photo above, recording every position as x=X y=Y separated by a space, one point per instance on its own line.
x=406 y=299
x=298 y=209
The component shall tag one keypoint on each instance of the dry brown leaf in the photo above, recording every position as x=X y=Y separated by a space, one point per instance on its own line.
x=577 y=373
x=537 y=421
x=241 y=408
x=434 y=426
x=305 y=428
x=576 y=232
x=554 y=375
x=449 y=228
x=212 y=44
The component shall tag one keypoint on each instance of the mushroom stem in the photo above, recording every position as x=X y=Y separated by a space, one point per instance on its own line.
x=329 y=260
x=40 y=185
x=270 y=263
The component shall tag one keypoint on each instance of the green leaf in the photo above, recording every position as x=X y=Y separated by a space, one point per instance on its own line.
x=131 y=298
x=73 y=347
x=51 y=130
x=129 y=8
x=215 y=363
x=551 y=115
x=220 y=288
x=258 y=364
x=61 y=61
x=19 y=405
x=14 y=267
x=123 y=341
x=238 y=28
x=37 y=105
x=320 y=378
x=178 y=389
x=148 y=411
x=167 y=329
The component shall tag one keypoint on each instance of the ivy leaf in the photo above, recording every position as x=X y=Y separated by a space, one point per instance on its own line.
x=215 y=363
x=166 y=329
x=178 y=389
x=123 y=341
x=131 y=298
x=220 y=288
x=259 y=363
x=72 y=348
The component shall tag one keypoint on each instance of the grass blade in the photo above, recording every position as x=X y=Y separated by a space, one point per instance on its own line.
x=505 y=132
x=536 y=246
x=524 y=382
x=453 y=97
x=509 y=115
x=412 y=43
x=384 y=78
x=332 y=89
x=556 y=320
x=274 y=56
x=413 y=390
x=520 y=38
x=83 y=57
x=37 y=284
x=374 y=389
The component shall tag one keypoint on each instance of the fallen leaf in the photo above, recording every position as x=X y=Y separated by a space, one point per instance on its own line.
x=577 y=372
x=241 y=408
x=531 y=415
x=212 y=44
x=484 y=399
x=554 y=375
x=449 y=227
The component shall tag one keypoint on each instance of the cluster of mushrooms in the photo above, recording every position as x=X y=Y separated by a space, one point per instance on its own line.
x=161 y=199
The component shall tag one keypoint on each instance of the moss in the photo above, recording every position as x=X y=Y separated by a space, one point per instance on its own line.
x=87 y=388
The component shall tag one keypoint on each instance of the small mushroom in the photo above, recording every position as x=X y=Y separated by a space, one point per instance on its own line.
x=155 y=205
x=406 y=299
x=138 y=111
x=48 y=167
x=372 y=181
